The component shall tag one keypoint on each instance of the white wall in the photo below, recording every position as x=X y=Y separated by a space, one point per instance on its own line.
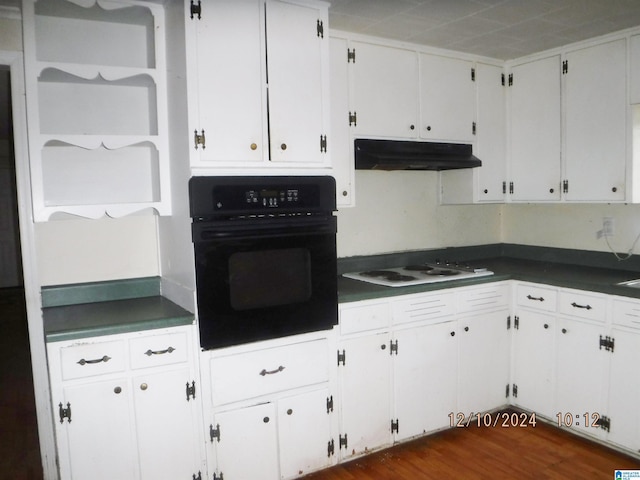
x=571 y=226
x=399 y=211
x=76 y=251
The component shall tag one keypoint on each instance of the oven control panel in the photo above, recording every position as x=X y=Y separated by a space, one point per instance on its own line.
x=269 y=198
x=231 y=196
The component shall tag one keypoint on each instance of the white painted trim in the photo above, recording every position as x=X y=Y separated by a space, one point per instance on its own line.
x=42 y=389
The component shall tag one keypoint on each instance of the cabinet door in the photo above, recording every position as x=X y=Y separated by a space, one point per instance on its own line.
x=595 y=122
x=296 y=73
x=634 y=74
x=447 y=99
x=535 y=130
x=385 y=91
x=534 y=360
x=365 y=393
x=581 y=373
x=341 y=147
x=624 y=390
x=425 y=378
x=490 y=145
x=99 y=437
x=248 y=444
x=304 y=432
x=483 y=365
x=165 y=425
x=230 y=64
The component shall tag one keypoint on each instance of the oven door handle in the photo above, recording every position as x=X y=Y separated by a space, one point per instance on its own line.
x=205 y=233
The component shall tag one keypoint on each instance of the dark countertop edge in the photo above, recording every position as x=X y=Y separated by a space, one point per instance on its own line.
x=140 y=326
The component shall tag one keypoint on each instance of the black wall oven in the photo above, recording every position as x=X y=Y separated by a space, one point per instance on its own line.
x=265 y=253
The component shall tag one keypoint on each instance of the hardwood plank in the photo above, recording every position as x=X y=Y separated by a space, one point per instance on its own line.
x=541 y=452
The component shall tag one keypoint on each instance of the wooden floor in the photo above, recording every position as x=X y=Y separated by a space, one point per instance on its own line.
x=540 y=452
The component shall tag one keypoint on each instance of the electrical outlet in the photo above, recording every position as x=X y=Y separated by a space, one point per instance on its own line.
x=608 y=228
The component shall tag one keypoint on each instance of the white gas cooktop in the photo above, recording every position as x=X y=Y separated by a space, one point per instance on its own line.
x=418 y=274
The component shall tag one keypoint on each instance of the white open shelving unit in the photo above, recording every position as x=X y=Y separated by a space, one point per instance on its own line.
x=97 y=107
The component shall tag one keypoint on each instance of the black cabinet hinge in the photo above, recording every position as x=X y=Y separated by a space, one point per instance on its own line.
x=473 y=74
x=607 y=343
x=218 y=477
x=516 y=322
x=507 y=391
x=64 y=412
x=342 y=357
x=330 y=404
x=353 y=119
x=604 y=422
x=342 y=441
x=503 y=79
x=565 y=186
x=191 y=390
x=515 y=390
x=511 y=188
x=565 y=67
x=351 y=55
x=474 y=128
x=198 y=139
x=508 y=322
x=395 y=426
x=214 y=433
x=393 y=347
x=323 y=143
x=331 y=448
x=504 y=188
x=320 y=29
x=511 y=79
x=197 y=477
x=196 y=9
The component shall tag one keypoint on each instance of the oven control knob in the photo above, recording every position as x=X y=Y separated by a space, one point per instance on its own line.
x=219 y=205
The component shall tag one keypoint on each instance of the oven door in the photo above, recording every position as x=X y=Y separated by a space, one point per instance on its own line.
x=258 y=280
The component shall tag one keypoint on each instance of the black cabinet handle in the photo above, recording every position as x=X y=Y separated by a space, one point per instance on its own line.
x=564 y=330
x=546 y=325
x=538 y=299
x=82 y=361
x=271 y=372
x=575 y=305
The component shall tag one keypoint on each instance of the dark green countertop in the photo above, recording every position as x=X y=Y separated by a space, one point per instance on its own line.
x=106 y=308
x=582 y=277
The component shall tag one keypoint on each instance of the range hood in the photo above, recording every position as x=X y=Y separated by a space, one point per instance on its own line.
x=412 y=155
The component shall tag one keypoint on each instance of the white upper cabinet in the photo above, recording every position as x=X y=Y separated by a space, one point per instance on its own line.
x=447 y=99
x=97 y=107
x=261 y=81
x=341 y=146
x=385 y=90
x=535 y=131
x=634 y=74
x=595 y=123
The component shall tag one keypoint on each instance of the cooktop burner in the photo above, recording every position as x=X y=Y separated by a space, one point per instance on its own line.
x=418 y=274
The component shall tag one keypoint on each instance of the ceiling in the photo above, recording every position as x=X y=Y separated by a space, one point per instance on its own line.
x=501 y=29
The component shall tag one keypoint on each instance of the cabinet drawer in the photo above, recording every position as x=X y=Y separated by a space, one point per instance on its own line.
x=578 y=304
x=85 y=360
x=626 y=313
x=156 y=350
x=533 y=296
x=418 y=308
x=491 y=296
x=364 y=317
x=252 y=374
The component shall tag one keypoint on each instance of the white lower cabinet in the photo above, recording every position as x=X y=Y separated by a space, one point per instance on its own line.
x=483 y=365
x=365 y=393
x=624 y=378
x=582 y=368
x=126 y=406
x=420 y=359
x=534 y=384
x=271 y=409
x=425 y=378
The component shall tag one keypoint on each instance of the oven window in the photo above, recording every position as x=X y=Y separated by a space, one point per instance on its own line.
x=268 y=278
